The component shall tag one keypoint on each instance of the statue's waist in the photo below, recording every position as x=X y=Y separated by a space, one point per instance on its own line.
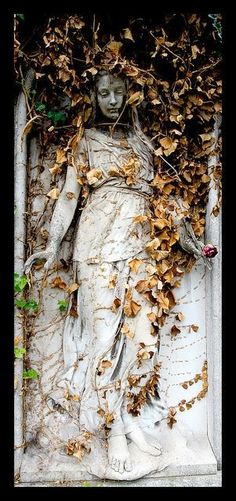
x=143 y=189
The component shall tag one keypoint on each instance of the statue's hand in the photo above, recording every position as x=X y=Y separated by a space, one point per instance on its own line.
x=49 y=254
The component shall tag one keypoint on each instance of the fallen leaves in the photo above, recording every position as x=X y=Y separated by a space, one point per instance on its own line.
x=93 y=176
x=77 y=448
x=131 y=307
x=59 y=283
x=134 y=264
x=115 y=305
x=54 y=193
x=138 y=400
x=104 y=364
x=174 y=331
x=112 y=281
x=171 y=417
x=72 y=288
x=127 y=34
x=135 y=98
x=126 y=330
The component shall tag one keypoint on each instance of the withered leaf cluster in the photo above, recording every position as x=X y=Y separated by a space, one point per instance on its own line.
x=173 y=68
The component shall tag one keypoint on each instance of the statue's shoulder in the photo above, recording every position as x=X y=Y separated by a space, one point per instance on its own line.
x=90 y=133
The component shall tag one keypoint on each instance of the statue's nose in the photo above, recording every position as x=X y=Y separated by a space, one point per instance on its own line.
x=112 y=98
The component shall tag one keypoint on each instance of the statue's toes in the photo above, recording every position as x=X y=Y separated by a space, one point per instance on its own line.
x=128 y=465
x=113 y=463
x=121 y=467
x=117 y=465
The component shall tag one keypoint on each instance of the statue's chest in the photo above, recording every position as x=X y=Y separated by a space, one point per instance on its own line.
x=107 y=157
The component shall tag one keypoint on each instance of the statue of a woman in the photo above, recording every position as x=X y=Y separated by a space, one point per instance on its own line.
x=110 y=355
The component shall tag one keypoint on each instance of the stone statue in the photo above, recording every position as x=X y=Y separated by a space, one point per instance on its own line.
x=110 y=355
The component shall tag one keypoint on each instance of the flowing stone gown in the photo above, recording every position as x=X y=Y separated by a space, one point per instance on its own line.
x=103 y=359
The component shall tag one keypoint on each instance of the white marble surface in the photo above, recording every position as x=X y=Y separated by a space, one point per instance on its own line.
x=214 y=480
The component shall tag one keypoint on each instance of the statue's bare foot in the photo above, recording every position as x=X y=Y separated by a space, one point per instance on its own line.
x=137 y=436
x=118 y=454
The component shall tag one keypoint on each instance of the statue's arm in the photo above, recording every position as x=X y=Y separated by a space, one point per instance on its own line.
x=62 y=215
x=190 y=243
x=64 y=210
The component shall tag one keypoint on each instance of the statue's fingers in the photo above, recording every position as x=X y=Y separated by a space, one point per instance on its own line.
x=49 y=263
x=30 y=261
x=28 y=264
x=128 y=465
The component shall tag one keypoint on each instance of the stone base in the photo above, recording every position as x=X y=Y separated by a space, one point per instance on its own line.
x=185 y=481
x=191 y=456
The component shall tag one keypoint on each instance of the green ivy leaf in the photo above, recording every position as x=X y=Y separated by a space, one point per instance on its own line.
x=86 y=484
x=19 y=352
x=21 y=17
x=20 y=282
x=57 y=116
x=31 y=304
x=30 y=374
x=62 y=305
x=40 y=106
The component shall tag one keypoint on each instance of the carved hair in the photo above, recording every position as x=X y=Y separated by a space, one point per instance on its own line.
x=131 y=115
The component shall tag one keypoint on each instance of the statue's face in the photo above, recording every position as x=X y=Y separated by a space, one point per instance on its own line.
x=110 y=95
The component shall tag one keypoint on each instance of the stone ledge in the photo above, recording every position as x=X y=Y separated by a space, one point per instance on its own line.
x=185 y=481
x=194 y=458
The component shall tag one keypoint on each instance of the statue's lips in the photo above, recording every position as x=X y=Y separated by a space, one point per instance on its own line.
x=113 y=110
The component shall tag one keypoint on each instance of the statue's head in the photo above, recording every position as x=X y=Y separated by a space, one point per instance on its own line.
x=110 y=94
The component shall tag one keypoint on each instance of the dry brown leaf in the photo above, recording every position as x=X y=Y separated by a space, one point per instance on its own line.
x=179 y=316
x=109 y=417
x=60 y=156
x=55 y=170
x=142 y=286
x=195 y=51
x=114 y=47
x=140 y=219
x=58 y=282
x=166 y=142
x=151 y=269
x=135 y=98
x=94 y=175
x=134 y=264
x=151 y=317
x=73 y=287
x=106 y=363
x=194 y=327
x=175 y=330
x=112 y=281
x=126 y=330
x=158 y=152
x=114 y=171
x=163 y=301
x=54 y=193
x=153 y=245
x=116 y=304
x=127 y=34
x=131 y=308
x=101 y=412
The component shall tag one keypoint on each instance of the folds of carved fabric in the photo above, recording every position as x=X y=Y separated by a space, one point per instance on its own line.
x=102 y=351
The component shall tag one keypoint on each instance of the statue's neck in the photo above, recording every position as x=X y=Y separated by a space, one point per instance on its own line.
x=117 y=131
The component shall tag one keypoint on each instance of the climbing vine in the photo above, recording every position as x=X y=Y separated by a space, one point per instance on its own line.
x=173 y=68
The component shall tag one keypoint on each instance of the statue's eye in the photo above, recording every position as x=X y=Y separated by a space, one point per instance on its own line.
x=104 y=93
